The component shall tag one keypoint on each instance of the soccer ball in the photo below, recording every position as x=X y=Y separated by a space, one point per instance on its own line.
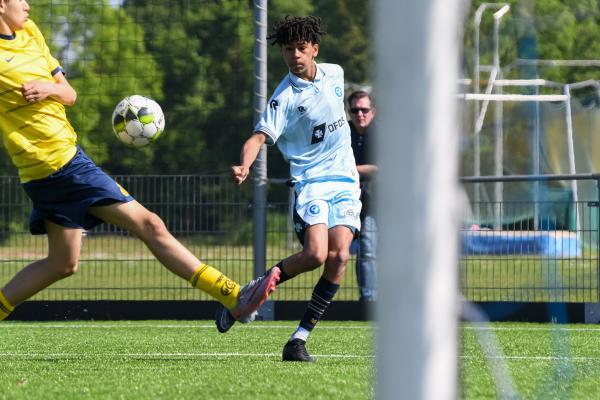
x=138 y=121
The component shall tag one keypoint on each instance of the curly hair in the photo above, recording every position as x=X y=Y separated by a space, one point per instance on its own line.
x=297 y=29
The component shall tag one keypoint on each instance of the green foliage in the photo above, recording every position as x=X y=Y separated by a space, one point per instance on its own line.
x=195 y=58
x=349 y=27
x=549 y=29
x=207 y=90
x=105 y=58
x=542 y=30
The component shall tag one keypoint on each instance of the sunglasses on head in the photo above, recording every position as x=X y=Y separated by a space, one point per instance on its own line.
x=355 y=110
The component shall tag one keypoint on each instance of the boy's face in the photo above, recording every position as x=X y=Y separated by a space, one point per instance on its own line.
x=13 y=15
x=299 y=57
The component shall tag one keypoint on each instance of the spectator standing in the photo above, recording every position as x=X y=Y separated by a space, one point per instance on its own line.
x=362 y=128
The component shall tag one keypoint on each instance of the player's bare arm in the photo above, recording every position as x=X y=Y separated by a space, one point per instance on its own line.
x=248 y=155
x=60 y=90
x=367 y=170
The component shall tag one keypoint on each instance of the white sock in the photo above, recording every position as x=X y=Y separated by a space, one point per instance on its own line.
x=301 y=334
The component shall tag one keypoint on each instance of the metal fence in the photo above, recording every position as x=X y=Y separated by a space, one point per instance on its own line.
x=532 y=250
x=211 y=216
x=517 y=251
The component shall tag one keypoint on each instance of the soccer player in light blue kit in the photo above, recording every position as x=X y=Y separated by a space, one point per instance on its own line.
x=305 y=117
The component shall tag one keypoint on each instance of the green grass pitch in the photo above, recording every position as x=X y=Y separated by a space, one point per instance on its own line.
x=544 y=361
x=190 y=360
x=181 y=360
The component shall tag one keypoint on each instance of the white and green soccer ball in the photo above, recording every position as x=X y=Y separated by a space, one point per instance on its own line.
x=138 y=121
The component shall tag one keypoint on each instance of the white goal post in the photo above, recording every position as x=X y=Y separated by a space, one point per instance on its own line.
x=417 y=50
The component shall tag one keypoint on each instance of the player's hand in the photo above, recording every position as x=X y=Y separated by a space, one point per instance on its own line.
x=239 y=173
x=35 y=91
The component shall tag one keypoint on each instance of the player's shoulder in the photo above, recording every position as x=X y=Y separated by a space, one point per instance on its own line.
x=31 y=29
x=283 y=93
x=331 y=69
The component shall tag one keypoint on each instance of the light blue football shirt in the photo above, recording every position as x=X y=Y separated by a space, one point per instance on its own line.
x=308 y=123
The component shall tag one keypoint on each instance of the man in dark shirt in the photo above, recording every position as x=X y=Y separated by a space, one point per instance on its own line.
x=362 y=128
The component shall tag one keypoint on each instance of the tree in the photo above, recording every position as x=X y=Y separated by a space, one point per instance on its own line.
x=193 y=57
x=349 y=27
x=549 y=29
x=208 y=85
x=104 y=55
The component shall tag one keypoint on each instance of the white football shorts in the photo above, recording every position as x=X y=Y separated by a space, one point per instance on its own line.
x=331 y=203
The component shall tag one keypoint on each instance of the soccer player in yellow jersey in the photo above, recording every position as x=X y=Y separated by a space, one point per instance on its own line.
x=69 y=192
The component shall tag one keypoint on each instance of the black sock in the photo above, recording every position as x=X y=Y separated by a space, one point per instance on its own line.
x=321 y=298
x=283 y=276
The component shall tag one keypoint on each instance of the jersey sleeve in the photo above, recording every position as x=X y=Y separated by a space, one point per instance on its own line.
x=273 y=121
x=53 y=64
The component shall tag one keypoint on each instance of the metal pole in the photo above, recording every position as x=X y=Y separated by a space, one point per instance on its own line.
x=498 y=126
x=260 y=165
x=477 y=134
x=503 y=9
x=536 y=162
x=571 y=149
x=598 y=243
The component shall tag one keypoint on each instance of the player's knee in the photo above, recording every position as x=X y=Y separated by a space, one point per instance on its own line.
x=314 y=259
x=334 y=269
x=70 y=269
x=339 y=257
x=153 y=226
x=65 y=268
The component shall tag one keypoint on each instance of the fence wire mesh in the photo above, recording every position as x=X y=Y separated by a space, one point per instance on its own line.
x=530 y=251
x=206 y=213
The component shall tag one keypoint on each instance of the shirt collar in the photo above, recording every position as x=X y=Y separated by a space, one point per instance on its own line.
x=302 y=84
x=8 y=37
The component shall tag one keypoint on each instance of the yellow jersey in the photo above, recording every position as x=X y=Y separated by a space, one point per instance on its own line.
x=38 y=136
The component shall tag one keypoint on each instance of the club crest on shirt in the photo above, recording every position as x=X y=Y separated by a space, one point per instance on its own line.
x=338 y=91
x=318 y=133
x=314 y=209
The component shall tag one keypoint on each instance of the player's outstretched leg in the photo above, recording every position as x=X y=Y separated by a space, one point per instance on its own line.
x=149 y=227
x=250 y=298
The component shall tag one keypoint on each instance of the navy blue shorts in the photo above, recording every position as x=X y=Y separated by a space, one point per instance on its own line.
x=65 y=196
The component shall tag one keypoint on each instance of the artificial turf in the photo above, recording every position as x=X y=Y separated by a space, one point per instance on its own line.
x=181 y=360
x=191 y=360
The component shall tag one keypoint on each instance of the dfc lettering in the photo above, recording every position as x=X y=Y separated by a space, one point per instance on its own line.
x=336 y=124
x=319 y=131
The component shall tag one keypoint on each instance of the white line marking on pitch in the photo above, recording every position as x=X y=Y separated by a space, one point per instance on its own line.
x=127 y=326
x=173 y=355
x=537 y=358
x=550 y=328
